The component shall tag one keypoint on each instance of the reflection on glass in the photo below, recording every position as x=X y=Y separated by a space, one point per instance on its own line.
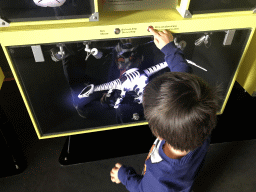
x=128 y=64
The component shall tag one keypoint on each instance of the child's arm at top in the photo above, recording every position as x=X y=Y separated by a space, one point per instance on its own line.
x=173 y=55
x=161 y=38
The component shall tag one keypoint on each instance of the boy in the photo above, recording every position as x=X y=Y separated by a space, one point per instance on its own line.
x=181 y=112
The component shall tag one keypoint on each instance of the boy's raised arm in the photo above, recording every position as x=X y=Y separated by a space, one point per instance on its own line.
x=173 y=55
x=161 y=38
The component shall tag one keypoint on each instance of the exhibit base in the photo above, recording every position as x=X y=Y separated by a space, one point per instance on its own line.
x=106 y=144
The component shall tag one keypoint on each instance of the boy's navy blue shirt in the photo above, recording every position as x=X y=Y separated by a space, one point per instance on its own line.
x=175 y=59
x=162 y=173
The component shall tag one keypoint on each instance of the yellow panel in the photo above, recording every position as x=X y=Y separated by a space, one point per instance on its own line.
x=96 y=5
x=236 y=74
x=1 y=77
x=104 y=29
x=246 y=76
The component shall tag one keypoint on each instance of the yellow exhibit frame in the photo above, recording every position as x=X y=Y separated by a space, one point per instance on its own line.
x=131 y=24
x=247 y=73
x=1 y=77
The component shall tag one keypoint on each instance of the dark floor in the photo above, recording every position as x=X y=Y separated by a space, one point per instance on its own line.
x=230 y=163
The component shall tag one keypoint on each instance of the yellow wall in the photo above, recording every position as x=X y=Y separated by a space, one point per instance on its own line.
x=247 y=73
x=1 y=77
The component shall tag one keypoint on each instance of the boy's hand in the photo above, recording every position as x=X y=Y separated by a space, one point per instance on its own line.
x=114 y=173
x=161 y=38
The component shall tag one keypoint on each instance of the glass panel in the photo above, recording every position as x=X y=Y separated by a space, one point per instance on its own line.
x=52 y=85
x=215 y=6
x=128 y=5
x=32 y=10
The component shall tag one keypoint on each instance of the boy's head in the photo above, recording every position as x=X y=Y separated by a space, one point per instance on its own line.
x=181 y=108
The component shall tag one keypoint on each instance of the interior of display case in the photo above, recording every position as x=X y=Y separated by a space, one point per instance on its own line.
x=217 y=6
x=38 y=10
x=57 y=78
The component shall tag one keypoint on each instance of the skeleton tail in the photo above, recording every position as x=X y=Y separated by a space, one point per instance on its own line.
x=88 y=90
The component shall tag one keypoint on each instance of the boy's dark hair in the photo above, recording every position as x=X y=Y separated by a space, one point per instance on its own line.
x=181 y=108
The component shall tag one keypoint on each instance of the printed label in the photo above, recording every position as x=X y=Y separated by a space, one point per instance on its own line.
x=167 y=27
x=103 y=32
x=129 y=30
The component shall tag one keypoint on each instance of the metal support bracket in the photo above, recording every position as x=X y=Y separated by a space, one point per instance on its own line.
x=38 y=53
x=229 y=37
x=94 y=17
x=187 y=14
x=4 y=23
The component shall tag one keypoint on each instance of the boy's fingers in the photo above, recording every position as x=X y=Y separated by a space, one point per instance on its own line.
x=161 y=33
x=118 y=165
x=112 y=172
x=153 y=32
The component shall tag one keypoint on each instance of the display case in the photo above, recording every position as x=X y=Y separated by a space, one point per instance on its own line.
x=57 y=87
x=38 y=12
x=206 y=8
x=67 y=73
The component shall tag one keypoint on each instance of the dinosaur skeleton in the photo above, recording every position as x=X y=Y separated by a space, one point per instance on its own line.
x=131 y=80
